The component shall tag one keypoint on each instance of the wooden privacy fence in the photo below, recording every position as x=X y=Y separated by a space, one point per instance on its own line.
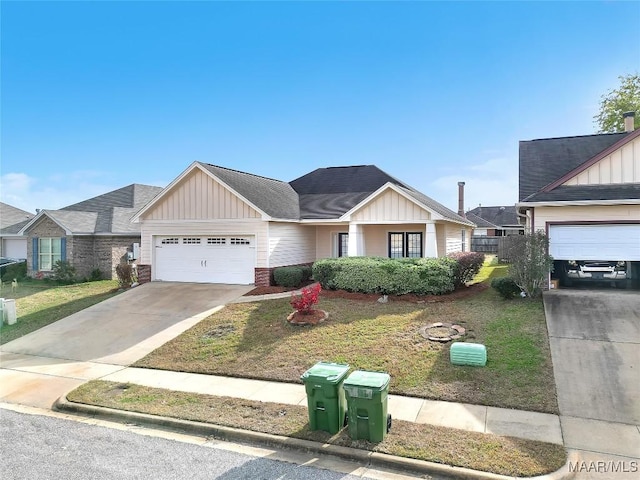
x=495 y=245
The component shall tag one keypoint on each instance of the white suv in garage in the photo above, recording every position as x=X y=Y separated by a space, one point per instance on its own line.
x=614 y=271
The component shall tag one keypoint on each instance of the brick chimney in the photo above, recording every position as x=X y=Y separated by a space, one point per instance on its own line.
x=629 y=120
x=461 y=199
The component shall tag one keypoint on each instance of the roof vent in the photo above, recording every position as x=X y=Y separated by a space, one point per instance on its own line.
x=629 y=120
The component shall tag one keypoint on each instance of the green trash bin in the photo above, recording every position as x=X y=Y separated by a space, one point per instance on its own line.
x=366 y=394
x=325 y=396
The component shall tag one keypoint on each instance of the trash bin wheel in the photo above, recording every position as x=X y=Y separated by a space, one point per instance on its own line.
x=388 y=423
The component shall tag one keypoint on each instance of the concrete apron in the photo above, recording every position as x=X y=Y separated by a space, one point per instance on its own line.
x=594 y=338
x=38 y=368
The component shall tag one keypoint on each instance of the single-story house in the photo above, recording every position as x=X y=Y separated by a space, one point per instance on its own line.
x=93 y=234
x=584 y=192
x=498 y=221
x=13 y=245
x=214 y=224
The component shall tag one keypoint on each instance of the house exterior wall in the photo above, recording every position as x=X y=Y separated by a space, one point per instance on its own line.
x=453 y=239
x=256 y=227
x=87 y=253
x=622 y=166
x=45 y=227
x=200 y=197
x=325 y=239
x=390 y=206
x=291 y=244
x=585 y=213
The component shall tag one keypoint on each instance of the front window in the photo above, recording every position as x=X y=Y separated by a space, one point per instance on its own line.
x=343 y=244
x=405 y=244
x=49 y=252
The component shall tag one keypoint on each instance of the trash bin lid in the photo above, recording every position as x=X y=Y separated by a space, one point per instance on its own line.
x=324 y=372
x=373 y=380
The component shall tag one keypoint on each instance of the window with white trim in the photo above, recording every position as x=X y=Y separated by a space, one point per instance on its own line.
x=49 y=252
x=216 y=241
x=405 y=244
x=191 y=241
x=240 y=241
x=343 y=244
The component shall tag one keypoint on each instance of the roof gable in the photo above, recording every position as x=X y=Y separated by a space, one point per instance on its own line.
x=12 y=219
x=545 y=161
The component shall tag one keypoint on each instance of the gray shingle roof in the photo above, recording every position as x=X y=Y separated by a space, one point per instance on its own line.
x=480 y=222
x=498 y=216
x=591 y=192
x=274 y=197
x=109 y=213
x=12 y=219
x=546 y=160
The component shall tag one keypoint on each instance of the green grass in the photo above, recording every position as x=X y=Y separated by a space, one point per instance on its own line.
x=254 y=341
x=490 y=453
x=39 y=304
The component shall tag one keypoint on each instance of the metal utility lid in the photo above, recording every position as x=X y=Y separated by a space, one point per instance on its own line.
x=372 y=380
x=326 y=373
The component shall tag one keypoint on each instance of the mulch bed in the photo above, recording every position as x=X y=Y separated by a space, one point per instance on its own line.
x=458 y=294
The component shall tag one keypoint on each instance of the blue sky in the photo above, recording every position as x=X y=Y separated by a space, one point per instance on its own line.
x=99 y=95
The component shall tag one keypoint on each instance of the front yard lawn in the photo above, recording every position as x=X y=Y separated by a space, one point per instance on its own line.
x=253 y=340
x=38 y=304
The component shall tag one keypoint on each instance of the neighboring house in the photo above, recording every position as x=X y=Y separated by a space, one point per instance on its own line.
x=13 y=245
x=93 y=234
x=213 y=224
x=495 y=221
x=584 y=192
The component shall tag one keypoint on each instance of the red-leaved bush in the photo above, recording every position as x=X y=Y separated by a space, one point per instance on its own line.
x=308 y=297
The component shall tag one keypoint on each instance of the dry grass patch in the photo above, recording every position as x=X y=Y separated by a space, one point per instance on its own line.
x=490 y=453
x=253 y=340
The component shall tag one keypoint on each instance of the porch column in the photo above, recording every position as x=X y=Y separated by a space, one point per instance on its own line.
x=430 y=241
x=356 y=240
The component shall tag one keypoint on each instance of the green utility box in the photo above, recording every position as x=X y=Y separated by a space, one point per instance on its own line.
x=367 y=405
x=463 y=353
x=325 y=396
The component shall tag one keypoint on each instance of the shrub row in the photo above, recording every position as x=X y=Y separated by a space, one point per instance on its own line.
x=291 y=276
x=422 y=276
x=469 y=264
x=506 y=287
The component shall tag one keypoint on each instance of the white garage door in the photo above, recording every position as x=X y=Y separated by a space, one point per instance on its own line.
x=594 y=242
x=210 y=259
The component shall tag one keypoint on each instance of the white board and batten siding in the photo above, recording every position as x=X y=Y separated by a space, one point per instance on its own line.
x=390 y=207
x=621 y=166
x=595 y=242
x=291 y=244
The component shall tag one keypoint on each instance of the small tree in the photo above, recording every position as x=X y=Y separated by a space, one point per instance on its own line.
x=126 y=275
x=626 y=98
x=308 y=297
x=530 y=261
x=64 y=272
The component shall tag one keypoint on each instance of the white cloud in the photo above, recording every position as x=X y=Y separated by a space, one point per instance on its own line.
x=30 y=193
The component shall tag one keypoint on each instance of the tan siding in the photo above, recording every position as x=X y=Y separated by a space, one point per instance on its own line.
x=453 y=240
x=390 y=206
x=291 y=244
x=325 y=238
x=199 y=197
x=622 y=166
x=149 y=229
x=441 y=236
x=586 y=213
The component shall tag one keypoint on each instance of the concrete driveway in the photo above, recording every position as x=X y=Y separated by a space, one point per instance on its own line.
x=595 y=346
x=37 y=368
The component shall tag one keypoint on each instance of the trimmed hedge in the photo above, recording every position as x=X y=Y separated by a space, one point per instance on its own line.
x=387 y=276
x=469 y=264
x=291 y=276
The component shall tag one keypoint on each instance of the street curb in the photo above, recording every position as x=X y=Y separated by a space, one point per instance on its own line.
x=369 y=459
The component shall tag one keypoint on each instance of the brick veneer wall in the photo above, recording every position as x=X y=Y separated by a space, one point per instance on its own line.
x=44 y=228
x=144 y=273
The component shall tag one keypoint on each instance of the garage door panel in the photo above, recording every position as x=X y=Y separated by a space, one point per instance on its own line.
x=595 y=242
x=205 y=259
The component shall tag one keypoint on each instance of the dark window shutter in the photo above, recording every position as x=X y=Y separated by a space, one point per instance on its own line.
x=34 y=255
x=63 y=249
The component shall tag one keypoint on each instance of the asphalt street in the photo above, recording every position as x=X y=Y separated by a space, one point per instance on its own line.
x=35 y=446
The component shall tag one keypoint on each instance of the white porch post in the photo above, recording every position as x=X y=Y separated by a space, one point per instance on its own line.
x=356 y=241
x=430 y=241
